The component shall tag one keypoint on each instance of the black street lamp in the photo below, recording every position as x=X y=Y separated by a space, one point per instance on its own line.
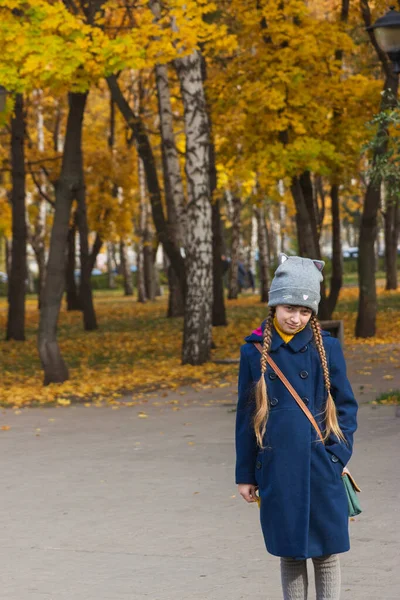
x=387 y=34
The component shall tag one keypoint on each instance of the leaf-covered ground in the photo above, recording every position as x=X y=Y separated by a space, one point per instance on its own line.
x=137 y=349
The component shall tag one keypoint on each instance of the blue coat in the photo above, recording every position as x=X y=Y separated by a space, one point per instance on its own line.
x=304 y=511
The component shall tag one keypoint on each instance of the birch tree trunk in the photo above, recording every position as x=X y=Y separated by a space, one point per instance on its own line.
x=16 y=282
x=73 y=301
x=126 y=269
x=141 y=281
x=145 y=151
x=235 y=247
x=173 y=185
x=70 y=180
x=85 y=284
x=198 y=306
x=262 y=252
x=37 y=229
x=110 y=266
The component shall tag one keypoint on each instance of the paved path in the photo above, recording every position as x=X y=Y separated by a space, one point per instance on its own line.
x=100 y=504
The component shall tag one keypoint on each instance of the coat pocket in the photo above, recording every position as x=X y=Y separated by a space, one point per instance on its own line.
x=335 y=464
x=262 y=462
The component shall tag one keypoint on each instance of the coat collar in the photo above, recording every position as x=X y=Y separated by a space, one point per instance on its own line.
x=299 y=341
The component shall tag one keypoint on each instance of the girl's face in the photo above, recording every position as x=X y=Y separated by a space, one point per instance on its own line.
x=292 y=318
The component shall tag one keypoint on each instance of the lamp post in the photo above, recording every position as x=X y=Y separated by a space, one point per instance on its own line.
x=387 y=34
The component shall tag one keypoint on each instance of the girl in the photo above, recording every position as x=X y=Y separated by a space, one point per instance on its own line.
x=303 y=503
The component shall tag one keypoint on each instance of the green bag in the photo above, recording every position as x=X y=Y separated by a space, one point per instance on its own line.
x=354 y=505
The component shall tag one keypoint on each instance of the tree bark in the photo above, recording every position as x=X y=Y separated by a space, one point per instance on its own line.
x=85 y=284
x=392 y=224
x=145 y=151
x=263 y=252
x=148 y=263
x=367 y=299
x=307 y=229
x=305 y=233
x=73 y=301
x=110 y=266
x=198 y=306
x=18 y=272
x=70 y=181
x=126 y=270
x=141 y=280
x=218 y=308
x=235 y=248
x=337 y=257
x=173 y=185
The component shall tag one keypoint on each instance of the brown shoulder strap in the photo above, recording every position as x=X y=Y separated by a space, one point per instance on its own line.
x=291 y=389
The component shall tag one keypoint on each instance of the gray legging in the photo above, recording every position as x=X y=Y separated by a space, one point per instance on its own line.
x=295 y=580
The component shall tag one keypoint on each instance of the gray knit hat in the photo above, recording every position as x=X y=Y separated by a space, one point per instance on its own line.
x=297 y=281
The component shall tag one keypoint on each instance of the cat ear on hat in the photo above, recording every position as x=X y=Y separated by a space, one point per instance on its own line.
x=319 y=264
x=282 y=258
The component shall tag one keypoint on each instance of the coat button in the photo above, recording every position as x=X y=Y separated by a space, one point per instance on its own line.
x=272 y=375
x=306 y=401
x=303 y=374
x=258 y=465
x=334 y=458
x=274 y=401
x=304 y=349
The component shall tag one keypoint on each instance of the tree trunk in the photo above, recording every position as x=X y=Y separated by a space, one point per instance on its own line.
x=337 y=257
x=149 y=274
x=218 y=309
x=126 y=269
x=392 y=223
x=73 y=301
x=262 y=252
x=97 y=244
x=70 y=181
x=176 y=306
x=18 y=273
x=218 y=246
x=271 y=237
x=367 y=299
x=198 y=306
x=235 y=248
x=307 y=229
x=173 y=185
x=305 y=233
x=110 y=266
x=143 y=220
x=145 y=151
x=85 y=284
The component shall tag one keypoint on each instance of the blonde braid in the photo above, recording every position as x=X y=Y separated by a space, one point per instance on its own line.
x=262 y=405
x=332 y=425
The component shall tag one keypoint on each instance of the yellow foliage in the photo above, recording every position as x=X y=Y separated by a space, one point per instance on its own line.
x=137 y=349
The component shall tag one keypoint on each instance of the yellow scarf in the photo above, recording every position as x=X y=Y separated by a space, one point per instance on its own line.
x=285 y=336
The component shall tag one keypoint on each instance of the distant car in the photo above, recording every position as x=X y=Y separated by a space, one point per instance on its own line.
x=3 y=277
x=351 y=252
x=96 y=271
